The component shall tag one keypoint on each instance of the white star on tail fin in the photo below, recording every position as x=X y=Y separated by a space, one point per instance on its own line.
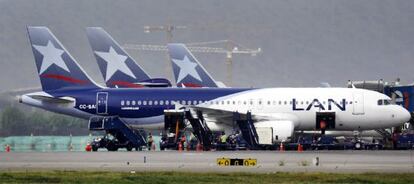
x=51 y=55
x=186 y=68
x=114 y=62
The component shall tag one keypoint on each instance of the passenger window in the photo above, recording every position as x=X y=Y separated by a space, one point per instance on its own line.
x=122 y=102
x=234 y=102
x=139 y=102
x=150 y=102
x=161 y=102
x=183 y=102
x=128 y=102
x=188 y=102
x=194 y=102
x=167 y=102
x=133 y=102
x=222 y=102
x=268 y=102
x=144 y=102
x=285 y=102
x=155 y=102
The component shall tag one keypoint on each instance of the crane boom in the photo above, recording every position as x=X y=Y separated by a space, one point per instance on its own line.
x=147 y=47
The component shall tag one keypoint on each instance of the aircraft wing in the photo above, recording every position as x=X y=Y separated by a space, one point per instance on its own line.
x=226 y=117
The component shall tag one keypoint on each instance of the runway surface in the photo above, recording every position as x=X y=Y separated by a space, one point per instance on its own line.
x=267 y=161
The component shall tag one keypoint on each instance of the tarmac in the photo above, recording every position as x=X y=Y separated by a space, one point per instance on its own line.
x=267 y=161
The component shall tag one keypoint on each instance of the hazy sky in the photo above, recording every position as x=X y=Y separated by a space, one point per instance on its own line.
x=304 y=42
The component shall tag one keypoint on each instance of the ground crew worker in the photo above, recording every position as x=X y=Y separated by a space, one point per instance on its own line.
x=183 y=140
x=223 y=141
x=150 y=140
x=323 y=127
x=223 y=138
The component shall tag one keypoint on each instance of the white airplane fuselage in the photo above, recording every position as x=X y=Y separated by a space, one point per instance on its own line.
x=361 y=110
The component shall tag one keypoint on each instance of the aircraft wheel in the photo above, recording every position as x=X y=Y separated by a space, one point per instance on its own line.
x=129 y=147
x=111 y=146
x=94 y=148
x=358 y=145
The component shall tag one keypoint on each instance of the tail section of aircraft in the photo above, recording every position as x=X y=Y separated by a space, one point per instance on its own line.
x=117 y=67
x=57 y=69
x=188 y=72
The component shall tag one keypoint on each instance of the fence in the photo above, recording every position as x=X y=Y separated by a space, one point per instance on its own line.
x=50 y=143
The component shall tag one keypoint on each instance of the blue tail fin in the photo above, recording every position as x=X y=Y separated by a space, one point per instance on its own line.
x=56 y=67
x=188 y=72
x=117 y=67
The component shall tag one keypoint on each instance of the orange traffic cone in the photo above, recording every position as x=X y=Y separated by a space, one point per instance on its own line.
x=281 y=147
x=88 y=147
x=180 y=147
x=300 y=147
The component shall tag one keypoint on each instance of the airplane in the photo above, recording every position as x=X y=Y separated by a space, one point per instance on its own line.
x=67 y=89
x=188 y=72
x=118 y=68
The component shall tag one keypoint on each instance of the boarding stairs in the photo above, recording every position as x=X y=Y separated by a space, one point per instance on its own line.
x=119 y=129
x=200 y=129
x=247 y=129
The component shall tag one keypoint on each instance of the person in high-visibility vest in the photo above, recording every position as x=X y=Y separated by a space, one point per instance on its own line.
x=223 y=140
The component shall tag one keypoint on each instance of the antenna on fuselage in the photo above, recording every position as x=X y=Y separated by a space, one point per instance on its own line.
x=350 y=83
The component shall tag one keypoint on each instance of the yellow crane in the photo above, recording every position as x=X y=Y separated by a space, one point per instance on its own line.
x=230 y=48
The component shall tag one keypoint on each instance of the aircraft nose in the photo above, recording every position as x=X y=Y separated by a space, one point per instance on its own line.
x=404 y=115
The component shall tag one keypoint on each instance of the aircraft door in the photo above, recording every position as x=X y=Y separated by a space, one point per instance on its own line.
x=325 y=121
x=358 y=104
x=102 y=103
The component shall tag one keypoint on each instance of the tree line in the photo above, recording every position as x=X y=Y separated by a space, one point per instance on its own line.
x=17 y=122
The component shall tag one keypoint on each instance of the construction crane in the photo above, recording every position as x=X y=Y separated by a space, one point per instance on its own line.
x=230 y=48
x=168 y=29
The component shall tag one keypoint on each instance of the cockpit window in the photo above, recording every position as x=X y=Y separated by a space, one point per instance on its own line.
x=380 y=102
x=384 y=102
